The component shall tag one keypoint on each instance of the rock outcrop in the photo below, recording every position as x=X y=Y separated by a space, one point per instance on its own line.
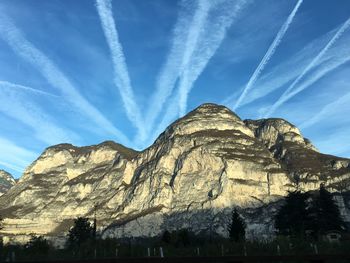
x=300 y=159
x=195 y=172
x=6 y=181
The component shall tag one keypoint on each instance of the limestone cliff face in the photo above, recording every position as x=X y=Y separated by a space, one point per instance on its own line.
x=6 y=181
x=197 y=170
x=301 y=160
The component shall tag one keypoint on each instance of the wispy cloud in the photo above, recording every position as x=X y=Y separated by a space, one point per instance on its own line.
x=223 y=16
x=194 y=34
x=9 y=85
x=327 y=110
x=288 y=70
x=27 y=51
x=15 y=157
x=291 y=91
x=121 y=75
x=20 y=107
x=268 y=54
x=183 y=43
x=333 y=143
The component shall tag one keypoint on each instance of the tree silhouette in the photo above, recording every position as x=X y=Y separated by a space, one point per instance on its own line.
x=236 y=228
x=184 y=237
x=166 y=237
x=293 y=217
x=81 y=232
x=326 y=213
x=38 y=245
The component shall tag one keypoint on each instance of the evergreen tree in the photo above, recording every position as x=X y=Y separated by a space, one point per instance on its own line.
x=81 y=232
x=38 y=245
x=293 y=218
x=184 y=237
x=166 y=237
x=326 y=213
x=236 y=227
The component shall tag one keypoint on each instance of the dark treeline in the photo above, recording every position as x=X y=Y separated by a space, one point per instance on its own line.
x=305 y=215
x=302 y=224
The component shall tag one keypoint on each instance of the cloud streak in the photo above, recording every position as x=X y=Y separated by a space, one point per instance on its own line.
x=15 y=157
x=19 y=107
x=327 y=110
x=290 y=69
x=291 y=91
x=55 y=77
x=184 y=41
x=220 y=18
x=121 y=75
x=9 y=85
x=268 y=55
x=223 y=16
x=194 y=34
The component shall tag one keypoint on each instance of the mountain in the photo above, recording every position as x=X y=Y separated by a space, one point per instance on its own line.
x=6 y=181
x=197 y=170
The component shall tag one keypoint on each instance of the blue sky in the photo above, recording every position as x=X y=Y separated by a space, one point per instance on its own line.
x=87 y=71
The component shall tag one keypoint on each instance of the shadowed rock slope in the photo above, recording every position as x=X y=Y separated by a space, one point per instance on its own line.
x=6 y=181
x=198 y=169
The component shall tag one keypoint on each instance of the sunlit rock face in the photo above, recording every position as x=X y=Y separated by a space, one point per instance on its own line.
x=6 y=181
x=307 y=167
x=198 y=169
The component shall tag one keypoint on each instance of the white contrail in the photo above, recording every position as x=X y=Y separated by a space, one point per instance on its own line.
x=284 y=72
x=327 y=110
x=290 y=69
x=210 y=41
x=184 y=41
x=268 y=54
x=27 y=51
x=6 y=84
x=19 y=107
x=121 y=75
x=289 y=93
x=194 y=34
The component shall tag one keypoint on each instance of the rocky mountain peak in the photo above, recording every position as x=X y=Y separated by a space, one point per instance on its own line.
x=199 y=168
x=274 y=131
x=207 y=117
x=71 y=160
x=6 y=181
x=87 y=150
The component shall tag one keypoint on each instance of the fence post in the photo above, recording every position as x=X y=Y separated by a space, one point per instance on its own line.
x=222 y=250
x=316 y=249
x=197 y=251
x=161 y=252
x=116 y=252
x=245 y=250
x=95 y=253
x=278 y=250
x=154 y=251
x=148 y=252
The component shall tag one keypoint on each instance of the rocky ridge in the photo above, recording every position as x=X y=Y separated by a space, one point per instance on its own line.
x=6 y=181
x=200 y=167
